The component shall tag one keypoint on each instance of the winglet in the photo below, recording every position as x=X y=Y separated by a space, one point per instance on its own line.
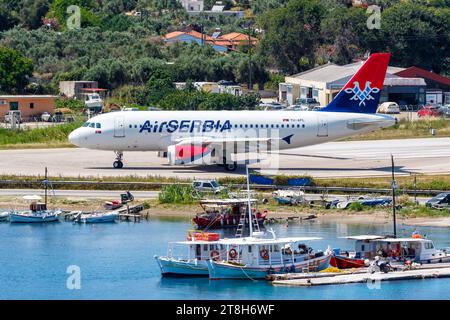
x=288 y=139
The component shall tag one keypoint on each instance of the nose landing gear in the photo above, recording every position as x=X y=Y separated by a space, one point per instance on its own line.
x=118 y=164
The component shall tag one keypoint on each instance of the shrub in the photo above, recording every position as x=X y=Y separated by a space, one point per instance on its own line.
x=176 y=193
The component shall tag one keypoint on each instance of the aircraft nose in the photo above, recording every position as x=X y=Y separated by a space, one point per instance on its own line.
x=74 y=137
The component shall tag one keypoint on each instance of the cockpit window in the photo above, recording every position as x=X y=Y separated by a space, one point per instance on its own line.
x=92 y=125
x=98 y=125
x=86 y=124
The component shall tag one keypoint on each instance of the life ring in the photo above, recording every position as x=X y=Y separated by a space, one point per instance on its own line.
x=232 y=253
x=264 y=254
x=215 y=255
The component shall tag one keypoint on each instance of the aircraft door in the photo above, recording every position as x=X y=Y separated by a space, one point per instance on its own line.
x=322 y=126
x=119 y=127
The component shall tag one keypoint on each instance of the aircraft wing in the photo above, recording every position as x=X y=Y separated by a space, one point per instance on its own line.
x=206 y=141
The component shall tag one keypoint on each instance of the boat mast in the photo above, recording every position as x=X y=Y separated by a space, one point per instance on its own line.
x=46 y=186
x=249 y=203
x=394 y=186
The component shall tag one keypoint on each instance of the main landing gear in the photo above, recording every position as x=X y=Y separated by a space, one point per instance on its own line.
x=118 y=164
x=229 y=166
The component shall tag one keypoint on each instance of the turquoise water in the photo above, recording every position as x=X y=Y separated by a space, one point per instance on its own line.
x=116 y=262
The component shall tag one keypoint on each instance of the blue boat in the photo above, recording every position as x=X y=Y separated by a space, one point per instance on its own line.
x=97 y=217
x=192 y=262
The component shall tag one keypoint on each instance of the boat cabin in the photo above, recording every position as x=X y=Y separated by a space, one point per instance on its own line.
x=38 y=206
x=401 y=249
x=200 y=246
x=257 y=251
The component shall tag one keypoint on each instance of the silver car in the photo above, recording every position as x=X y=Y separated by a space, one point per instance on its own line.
x=207 y=186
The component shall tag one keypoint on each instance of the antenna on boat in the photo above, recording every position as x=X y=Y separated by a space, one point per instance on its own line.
x=46 y=186
x=393 y=186
x=249 y=202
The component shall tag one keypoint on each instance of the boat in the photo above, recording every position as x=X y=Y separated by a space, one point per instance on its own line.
x=256 y=256
x=369 y=202
x=125 y=198
x=113 y=205
x=38 y=213
x=225 y=213
x=262 y=253
x=290 y=197
x=4 y=216
x=94 y=103
x=192 y=262
x=416 y=248
x=96 y=217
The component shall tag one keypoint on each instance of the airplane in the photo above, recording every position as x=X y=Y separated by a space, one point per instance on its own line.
x=214 y=137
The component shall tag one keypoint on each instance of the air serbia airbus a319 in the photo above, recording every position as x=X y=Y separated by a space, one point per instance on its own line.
x=216 y=137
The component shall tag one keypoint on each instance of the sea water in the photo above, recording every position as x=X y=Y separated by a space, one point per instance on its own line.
x=115 y=261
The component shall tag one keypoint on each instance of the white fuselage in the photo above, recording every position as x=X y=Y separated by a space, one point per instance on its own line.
x=157 y=130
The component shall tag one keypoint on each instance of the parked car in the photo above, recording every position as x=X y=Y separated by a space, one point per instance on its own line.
x=271 y=106
x=441 y=200
x=207 y=186
x=46 y=117
x=389 y=108
x=429 y=111
x=445 y=110
x=307 y=103
x=13 y=113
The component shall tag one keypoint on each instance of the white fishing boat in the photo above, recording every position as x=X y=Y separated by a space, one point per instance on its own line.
x=416 y=248
x=256 y=257
x=291 y=197
x=38 y=212
x=189 y=258
x=261 y=254
x=96 y=217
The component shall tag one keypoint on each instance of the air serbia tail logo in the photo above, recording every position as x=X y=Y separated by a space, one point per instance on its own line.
x=362 y=93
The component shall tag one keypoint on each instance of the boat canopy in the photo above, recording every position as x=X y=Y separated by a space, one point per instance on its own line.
x=364 y=237
x=404 y=240
x=188 y=242
x=227 y=201
x=265 y=241
x=33 y=198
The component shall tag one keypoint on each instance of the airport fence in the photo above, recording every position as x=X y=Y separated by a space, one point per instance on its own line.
x=109 y=185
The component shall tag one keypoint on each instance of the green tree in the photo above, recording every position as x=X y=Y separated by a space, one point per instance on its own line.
x=292 y=34
x=14 y=70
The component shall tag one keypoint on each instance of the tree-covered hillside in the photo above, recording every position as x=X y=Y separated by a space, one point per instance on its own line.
x=126 y=54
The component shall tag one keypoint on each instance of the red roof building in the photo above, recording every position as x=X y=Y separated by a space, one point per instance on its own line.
x=438 y=87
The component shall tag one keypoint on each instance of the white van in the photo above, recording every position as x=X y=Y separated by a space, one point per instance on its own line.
x=389 y=107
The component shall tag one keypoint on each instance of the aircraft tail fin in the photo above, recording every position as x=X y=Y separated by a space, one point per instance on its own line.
x=362 y=93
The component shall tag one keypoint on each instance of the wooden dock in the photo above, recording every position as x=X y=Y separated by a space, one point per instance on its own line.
x=360 y=276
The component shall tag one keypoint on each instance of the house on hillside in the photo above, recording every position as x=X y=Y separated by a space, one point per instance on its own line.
x=239 y=39
x=221 y=43
x=197 y=37
x=193 y=5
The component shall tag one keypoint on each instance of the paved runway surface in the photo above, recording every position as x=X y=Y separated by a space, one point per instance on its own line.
x=334 y=159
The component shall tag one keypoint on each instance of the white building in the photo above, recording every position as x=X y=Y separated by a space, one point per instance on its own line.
x=321 y=83
x=193 y=5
